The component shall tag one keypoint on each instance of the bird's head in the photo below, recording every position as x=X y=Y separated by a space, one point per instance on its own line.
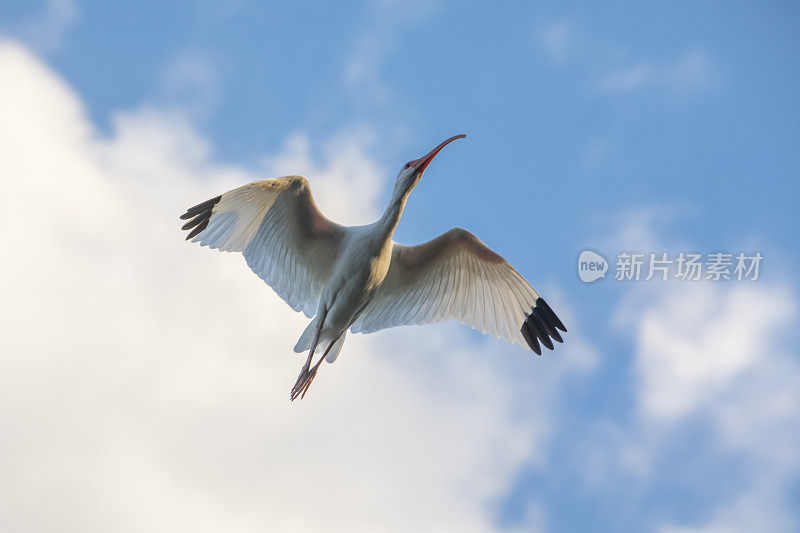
x=412 y=171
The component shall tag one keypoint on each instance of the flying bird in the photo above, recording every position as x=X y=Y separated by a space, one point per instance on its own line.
x=358 y=278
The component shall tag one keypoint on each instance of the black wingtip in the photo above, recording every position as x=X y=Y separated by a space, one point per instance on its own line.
x=536 y=321
x=201 y=207
x=199 y=228
x=199 y=215
x=550 y=315
x=542 y=324
x=530 y=338
x=192 y=223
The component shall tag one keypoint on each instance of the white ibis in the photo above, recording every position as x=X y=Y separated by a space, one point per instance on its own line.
x=358 y=278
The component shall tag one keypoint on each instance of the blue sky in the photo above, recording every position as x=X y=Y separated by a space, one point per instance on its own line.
x=649 y=127
x=537 y=118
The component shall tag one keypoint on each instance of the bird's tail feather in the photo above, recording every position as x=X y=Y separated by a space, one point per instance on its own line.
x=336 y=348
x=307 y=337
x=304 y=343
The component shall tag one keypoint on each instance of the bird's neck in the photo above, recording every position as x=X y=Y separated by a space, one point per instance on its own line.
x=388 y=222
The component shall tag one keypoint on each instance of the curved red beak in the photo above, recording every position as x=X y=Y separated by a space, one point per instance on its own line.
x=423 y=161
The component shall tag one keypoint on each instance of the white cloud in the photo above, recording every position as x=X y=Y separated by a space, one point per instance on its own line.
x=144 y=381
x=45 y=32
x=556 y=39
x=694 y=344
x=717 y=353
x=715 y=399
x=689 y=73
x=345 y=180
x=637 y=229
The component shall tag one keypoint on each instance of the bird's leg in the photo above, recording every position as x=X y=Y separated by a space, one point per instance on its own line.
x=313 y=371
x=303 y=375
x=304 y=371
x=307 y=375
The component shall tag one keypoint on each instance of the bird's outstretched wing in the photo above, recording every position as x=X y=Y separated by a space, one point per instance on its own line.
x=279 y=230
x=457 y=276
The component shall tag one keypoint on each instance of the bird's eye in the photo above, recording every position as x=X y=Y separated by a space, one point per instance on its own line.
x=407 y=165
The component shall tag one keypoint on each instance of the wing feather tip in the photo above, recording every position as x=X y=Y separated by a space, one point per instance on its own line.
x=549 y=314
x=200 y=215
x=200 y=227
x=202 y=206
x=530 y=338
x=541 y=330
x=542 y=324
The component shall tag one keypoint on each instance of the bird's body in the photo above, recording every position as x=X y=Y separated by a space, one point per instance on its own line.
x=357 y=273
x=358 y=278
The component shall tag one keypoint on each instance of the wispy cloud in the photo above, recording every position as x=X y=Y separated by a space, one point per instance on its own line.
x=556 y=40
x=689 y=73
x=701 y=340
x=384 y=22
x=189 y=81
x=630 y=78
x=716 y=352
x=45 y=31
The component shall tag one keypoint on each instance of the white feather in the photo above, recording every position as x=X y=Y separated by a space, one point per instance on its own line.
x=283 y=236
x=454 y=276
